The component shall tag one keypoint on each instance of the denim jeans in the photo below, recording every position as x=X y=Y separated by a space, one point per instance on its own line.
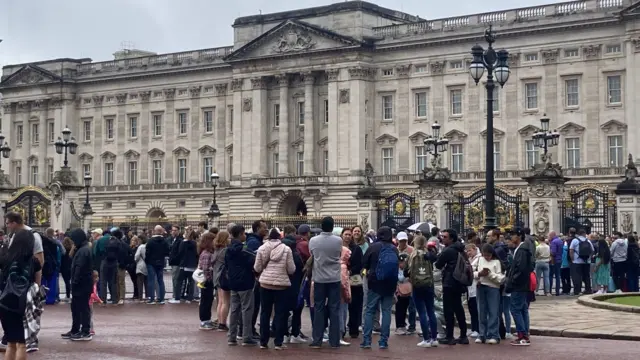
x=344 y=313
x=555 y=274
x=520 y=312
x=506 y=311
x=326 y=298
x=155 y=273
x=424 y=298
x=488 y=312
x=632 y=279
x=373 y=301
x=542 y=270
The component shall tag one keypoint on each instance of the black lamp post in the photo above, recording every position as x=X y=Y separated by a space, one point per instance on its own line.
x=544 y=138
x=434 y=144
x=86 y=209
x=214 y=210
x=66 y=144
x=4 y=148
x=496 y=64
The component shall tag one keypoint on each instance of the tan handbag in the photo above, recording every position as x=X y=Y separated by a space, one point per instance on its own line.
x=404 y=289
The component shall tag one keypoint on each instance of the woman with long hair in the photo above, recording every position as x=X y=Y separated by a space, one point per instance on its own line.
x=205 y=263
x=141 y=268
x=220 y=244
x=188 y=255
x=602 y=269
x=420 y=272
x=350 y=239
x=17 y=261
x=131 y=266
x=65 y=265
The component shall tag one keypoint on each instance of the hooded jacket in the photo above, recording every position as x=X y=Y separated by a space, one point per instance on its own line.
x=447 y=263
x=370 y=263
x=239 y=262
x=519 y=274
x=254 y=242
x=296 y=277
x=81 y=265
x=157 y=249
x=274 y=263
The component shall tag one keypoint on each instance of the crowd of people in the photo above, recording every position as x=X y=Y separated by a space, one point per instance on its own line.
x=347 y=279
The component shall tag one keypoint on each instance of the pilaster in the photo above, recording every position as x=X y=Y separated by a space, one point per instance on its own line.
x=309 y=126
x=368 y=199
x=122 y=136
x=358 y=78
x=259 y=124
x=221 y=129
x=433 y=195
x=402 y=118
x=196 y=130
x=240 y=168
x=283 y=129
x=97 y=140
x=145 y=135
x=335 y=102
x=628 y=199
x=546 y=188
x=169 y=135
x=65 y=189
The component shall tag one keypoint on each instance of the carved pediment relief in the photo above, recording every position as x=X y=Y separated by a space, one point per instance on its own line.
x=108 y=155
x=528 y=130
x=571 y=128
x=32 y=160
x=497 y=133
x=298 y=144
x=155 y=152
x=291 y=37
x=206 y=150
x=613 y=126
x=386 y=139
x=229 y=149
x=323 y=142
x=455 y=135
x=418 y=137
x=131 y=154
x=273 y=145
x=85 y=157
x=181 y=151
x=29 y=75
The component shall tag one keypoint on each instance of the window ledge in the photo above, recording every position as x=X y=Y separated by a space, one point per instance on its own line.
x=572 y=108
x=156 y=137
x=531 y=111
x=455 y=117
x=207 y=134
x=613 y=106
x=420 y=119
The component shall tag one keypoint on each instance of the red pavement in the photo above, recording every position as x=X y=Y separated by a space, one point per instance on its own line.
x=154 y=332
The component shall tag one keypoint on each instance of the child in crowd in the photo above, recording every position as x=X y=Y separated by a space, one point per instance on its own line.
x=403 y=295
x=94 y=298
x=473 y=254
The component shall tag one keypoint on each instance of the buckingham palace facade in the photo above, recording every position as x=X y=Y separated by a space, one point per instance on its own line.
x=289 y=114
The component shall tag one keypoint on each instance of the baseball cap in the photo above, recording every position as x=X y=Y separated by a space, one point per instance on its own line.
x=402 y=236
x=303 y=229
x=97 y=231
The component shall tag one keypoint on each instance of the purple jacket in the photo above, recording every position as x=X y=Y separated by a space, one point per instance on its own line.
x=556 y=250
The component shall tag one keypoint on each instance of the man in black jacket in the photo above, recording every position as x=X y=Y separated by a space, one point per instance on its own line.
x=517 y=284
x=81 y=288
x=109 y=270
x=174 y=260
x=452 y=289
x=155 y=252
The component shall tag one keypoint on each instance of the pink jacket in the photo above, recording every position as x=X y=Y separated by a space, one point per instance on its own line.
x=344 y=275
x=94 y=298
x=274 y=263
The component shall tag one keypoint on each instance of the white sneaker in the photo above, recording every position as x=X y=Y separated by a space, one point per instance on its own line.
x=618 y=291
x=297 y=340
x=344 y=343
x=492 y=341
x=478 y=341
x=286 y=340
x=174 y=301
x=474 y=334
x=121 y=302
x=509 y=336
x=401 y=331
x=434 y=343
x=424 y=344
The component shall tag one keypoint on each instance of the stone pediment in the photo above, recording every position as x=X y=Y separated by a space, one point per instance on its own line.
x=613 y=126
x=298 y=143
x=528 y=130
x=571 y=128
x=386 y=138
x=206 y=150
x=108 y=155
x=497 y=133
x=181 y=151
x=273 y=145
x=455 y=135
x=630 y=10
x=155 y=152
x=292 y=37
x=323 y=142
x=30 y=75
x=418 y=137
x=131 y=154
x=85 y=157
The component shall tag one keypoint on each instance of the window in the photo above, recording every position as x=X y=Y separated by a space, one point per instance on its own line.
x=572 y=92
x=230 y=166
x=455 y=97
x=157 y=124
x=455 y=64
x=108 y=124
x=496 y=155
x=207 y=168
x=457 y=160
x=531 y=57
x=230 y=119
x=571 y=53
x=387 y=108
x=108 y=174
x=615 y=151
x=18 y=175
x=34 y=175
x=300 y=163
x=301 y=113
x=573 y=152
x=133 y=127
x=276 y=115
x=614 y=89
x=20 y=134
x=208 y=122
x=133 y=172
x=421 y=69
x=421 y=104
x=325 y=162
x=531 y=96
x=51 y=131
x=157 y=171
x=86 y=169
x=35 y=134
x=531 y=153
x=613 y=49
x=182 y=170
x=326 y=111
x=276 y=165
x=421 y=158
x=86 y=130
x=387 y=161
x=50 y=173
x=366 y=142
x=496 y=99
x=182 y=123
x=387 y=72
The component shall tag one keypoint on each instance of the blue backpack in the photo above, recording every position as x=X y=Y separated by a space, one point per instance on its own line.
x=388 y=264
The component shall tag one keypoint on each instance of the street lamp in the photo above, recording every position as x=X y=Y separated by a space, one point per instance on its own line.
x=4 y=148
x=214 y=210
x=86 y=209
x=434 y=144
x=544 y=138
x=496 y=64
x=66 y=144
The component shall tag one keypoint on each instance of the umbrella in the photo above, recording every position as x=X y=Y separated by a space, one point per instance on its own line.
x=415 y=226
x=425 y=228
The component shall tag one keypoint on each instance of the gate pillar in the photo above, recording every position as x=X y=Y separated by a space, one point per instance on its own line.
x=546 y=188
x=435 y=189
x=66 y=190
x=628 y=199
x=368 y=214
x=6 y=188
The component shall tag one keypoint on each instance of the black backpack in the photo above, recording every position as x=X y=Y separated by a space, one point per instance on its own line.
x=17 y=283
x=50 y=252
x=584 y=249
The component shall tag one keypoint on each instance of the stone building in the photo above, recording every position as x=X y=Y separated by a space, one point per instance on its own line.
x=289 y=113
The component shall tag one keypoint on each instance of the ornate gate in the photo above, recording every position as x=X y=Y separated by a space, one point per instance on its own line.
x=467 y=214
x=34 y=204
x=398 y=211
x=590 y=208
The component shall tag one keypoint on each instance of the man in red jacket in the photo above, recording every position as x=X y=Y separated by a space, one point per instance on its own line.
x=302 y=242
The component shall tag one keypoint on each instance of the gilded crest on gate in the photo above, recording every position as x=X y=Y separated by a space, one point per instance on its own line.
x=475 y=217
x=590 y=204
x=399 y=207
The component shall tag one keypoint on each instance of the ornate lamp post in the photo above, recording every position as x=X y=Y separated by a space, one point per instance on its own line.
x=435 y=145
x=4 y=148
x=66 y=144
x=86 y=209
x=545 y=139
x=496 y=64
x=214 y=210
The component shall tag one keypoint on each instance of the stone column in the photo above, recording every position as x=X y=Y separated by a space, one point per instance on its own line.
x=43 y=143
x=221 y=129
x=435 y=189
x=335 y=100
x=546 y=188
x=368 y=198
x=309 y=131
x=356 y=122
x=66 y=190
x=402 y=117
x=121 y=128
x=237 y=166
x=260 y=113
x=6 y=189
x=283 y=130
x=145 y=135
x=169 y=135
x=195 y=160
x=628 y=200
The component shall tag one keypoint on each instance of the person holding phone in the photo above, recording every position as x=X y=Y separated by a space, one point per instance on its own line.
x=490 y=277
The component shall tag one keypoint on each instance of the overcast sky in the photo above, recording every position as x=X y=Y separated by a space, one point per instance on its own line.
x=35 y=30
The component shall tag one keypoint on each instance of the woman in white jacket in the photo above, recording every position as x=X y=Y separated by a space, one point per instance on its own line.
x=489 y=275
x=141 y=268
x=473 y=255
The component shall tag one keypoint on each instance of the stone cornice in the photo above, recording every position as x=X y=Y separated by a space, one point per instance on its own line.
x=333 y=74
x=144 y=95
x=236 y=84
x=169 y=93
x=308 y=77
x=282 y=80
x=361 y=73
x=195 y=90
x=221 y=89
x=121 y=98
x=258 y=83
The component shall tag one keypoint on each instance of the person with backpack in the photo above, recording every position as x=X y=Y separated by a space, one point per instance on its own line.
x=381 y=262
x=456 y=276
x=580 y=251
x=420 y=274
